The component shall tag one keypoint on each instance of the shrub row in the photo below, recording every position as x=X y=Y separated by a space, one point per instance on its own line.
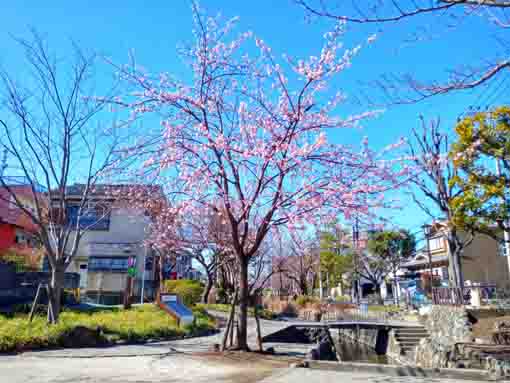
x=137 y=324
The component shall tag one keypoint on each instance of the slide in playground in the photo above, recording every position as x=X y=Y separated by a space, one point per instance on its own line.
x=173 y=306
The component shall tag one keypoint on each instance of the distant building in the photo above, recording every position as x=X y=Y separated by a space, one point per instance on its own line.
x=180 y=267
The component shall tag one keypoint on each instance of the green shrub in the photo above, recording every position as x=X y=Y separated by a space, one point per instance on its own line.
x=189 y=291
x=343 y=298
x=222 y=307
x=381 y=308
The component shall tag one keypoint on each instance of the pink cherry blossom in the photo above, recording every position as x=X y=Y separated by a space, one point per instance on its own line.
x=249 y=137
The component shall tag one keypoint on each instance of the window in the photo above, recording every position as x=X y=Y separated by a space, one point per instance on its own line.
x=22 y=239
x=114 y=265
x=502 y=249
x=92 y=217
x=435 y=243
x=149 y=263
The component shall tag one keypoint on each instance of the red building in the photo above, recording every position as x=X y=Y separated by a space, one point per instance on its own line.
x=16 y=227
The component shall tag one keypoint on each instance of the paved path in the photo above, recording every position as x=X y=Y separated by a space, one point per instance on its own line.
x=320 y=376
x=178 y=368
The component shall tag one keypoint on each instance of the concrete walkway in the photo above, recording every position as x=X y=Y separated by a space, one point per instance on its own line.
x=184 y=360
x=321 y=376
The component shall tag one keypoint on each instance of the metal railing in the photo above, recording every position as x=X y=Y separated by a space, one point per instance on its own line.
x=457 y=296
x=347 y=315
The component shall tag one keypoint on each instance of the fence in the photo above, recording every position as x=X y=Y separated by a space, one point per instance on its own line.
x=482 y=295
x=356 y=315
x=7 y=276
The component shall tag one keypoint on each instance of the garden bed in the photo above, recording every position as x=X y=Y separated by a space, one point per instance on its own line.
x=97 y=328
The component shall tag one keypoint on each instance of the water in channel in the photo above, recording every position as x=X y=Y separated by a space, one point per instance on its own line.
x=355 y=352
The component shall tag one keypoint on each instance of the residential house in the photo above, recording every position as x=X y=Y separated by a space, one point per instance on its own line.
x=483 y=260
x=114 y=239
x=16 y=227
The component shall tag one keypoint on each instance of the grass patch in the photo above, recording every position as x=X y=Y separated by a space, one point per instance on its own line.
x=137 y=324
x=263 y=313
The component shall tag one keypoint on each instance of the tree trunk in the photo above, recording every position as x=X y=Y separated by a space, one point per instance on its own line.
x=243 y=305
x=207 y=289
x=303 y=287
x=459 y=277
x=55 y=294
x=378 y=292
x=454 y=254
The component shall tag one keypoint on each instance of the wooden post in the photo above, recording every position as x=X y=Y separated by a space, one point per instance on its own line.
x=237 y=333
x=51 y=311
x=330 y=338
x=35 y=302
x=259 y=335
x=231 y=335
x=127 y=293
x=230 y=323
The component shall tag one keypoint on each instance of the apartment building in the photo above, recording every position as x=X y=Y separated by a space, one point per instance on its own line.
x=114 y=239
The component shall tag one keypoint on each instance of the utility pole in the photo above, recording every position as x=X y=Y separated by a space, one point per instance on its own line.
x=427 y=229
x=142 y=290
x=506 y=227
x=355 y=242
x=321 y=294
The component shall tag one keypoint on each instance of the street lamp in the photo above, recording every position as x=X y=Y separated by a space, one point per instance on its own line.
x=427 y=229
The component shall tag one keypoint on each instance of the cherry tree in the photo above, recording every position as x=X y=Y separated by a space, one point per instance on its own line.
x=202 y=237
x=249 y=131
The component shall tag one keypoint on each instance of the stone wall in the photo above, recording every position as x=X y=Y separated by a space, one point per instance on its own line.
x=447 y=326
x=395 y=352
x=374 y=339
x=367 y=337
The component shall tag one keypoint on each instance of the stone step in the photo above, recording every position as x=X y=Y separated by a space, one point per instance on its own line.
x=405 y=341
x=411 y=329
x=401 y=339
x=415 y=334
x=418 y=336
x=412 y=334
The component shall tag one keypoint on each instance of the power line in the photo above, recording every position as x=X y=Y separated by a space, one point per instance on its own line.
x=500 y=92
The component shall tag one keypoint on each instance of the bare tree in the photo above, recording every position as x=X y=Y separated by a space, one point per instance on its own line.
x=425 y=15
x=434 y=181
x=298 y=264
x=51 y=138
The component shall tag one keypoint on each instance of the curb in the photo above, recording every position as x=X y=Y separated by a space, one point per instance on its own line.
x=394 y=370
x=39 y=352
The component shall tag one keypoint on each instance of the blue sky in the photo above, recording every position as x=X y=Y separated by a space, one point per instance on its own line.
x=153 y=29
